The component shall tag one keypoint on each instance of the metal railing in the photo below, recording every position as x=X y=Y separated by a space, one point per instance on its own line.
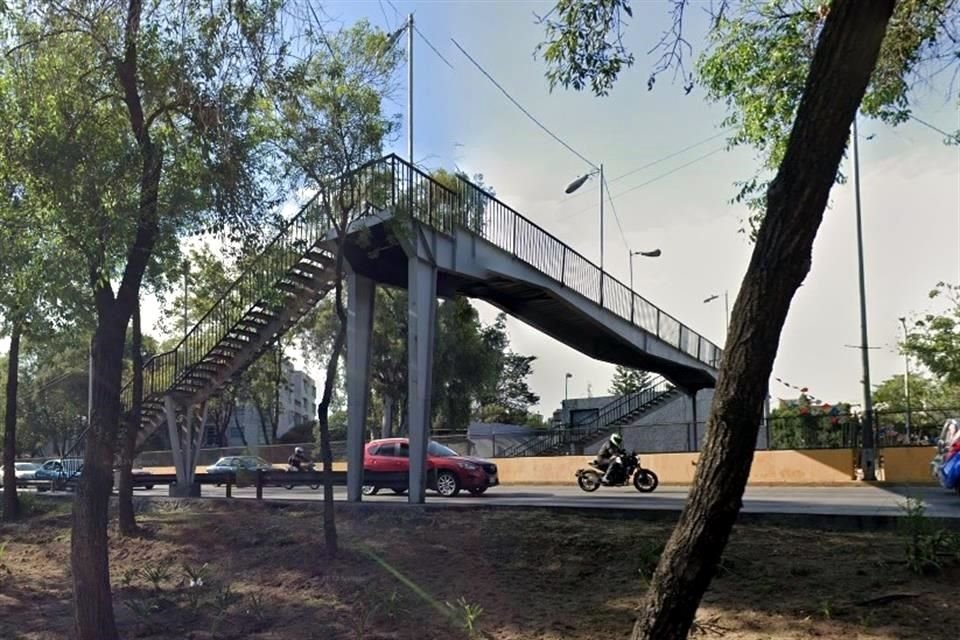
x=608 y=415
x=508 y=230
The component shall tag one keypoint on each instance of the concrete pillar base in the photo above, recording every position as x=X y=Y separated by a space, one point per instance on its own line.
x=184 y=491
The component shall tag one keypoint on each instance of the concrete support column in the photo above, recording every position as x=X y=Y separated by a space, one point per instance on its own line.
x=360 y=295
x=173 y=430
x=184 y=445
x=421 y=321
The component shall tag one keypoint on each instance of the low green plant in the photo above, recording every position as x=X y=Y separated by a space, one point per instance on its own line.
x=928 y=547
x=156 y=575
x=466 y=615
x=647 y=556
x=257 y=607
x=195 y=577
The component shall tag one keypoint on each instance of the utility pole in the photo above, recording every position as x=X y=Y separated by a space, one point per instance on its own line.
x=906 y=376
x=410 y=90
x=868 y=444
x=601 y=234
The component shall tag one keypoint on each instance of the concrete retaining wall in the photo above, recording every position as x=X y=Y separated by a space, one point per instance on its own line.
x=814 y=467
x=902 y=465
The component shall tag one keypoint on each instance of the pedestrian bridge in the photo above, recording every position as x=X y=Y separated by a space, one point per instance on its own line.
x=434 y=239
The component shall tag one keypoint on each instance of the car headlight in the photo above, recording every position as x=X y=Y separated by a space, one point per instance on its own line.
x=469 y=466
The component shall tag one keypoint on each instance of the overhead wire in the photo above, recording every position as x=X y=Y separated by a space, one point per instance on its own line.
x=521 y=107
x=655 y=162
x=930 y=126
x=430 y=44
x=386 y=20
x=650 y=181
x=616 y=216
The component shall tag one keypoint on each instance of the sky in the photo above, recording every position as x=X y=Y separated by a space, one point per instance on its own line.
x=910 y=189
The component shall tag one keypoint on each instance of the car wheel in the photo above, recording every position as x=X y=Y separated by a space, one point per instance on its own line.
x=369 y=490
x=448 y=485
x=149 y=487
x=399 y=492
x=478 y=491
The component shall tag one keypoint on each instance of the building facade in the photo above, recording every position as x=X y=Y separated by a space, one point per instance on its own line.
x=298 y=405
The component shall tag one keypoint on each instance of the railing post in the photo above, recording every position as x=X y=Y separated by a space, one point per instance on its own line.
x=259 y=484
x=229 y=488
x=658 y=323
x=515 y=234
x=601 y=287
x=563 y=265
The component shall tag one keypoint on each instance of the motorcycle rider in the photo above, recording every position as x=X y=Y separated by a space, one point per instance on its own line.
x=607 y=457
x=298 y=458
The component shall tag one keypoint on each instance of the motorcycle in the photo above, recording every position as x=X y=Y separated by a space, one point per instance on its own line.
x=627 y=472
x=307 y=467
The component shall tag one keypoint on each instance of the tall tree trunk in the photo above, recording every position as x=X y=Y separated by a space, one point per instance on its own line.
x=11 y=505
x=126 y=519
x=93 y=610
x=386 y=430
x=89 y=562
x=845 y=57
x=326 y=455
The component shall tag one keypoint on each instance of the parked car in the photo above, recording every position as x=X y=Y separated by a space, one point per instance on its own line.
x=386 y=464
x=22 y=470
x=232 y=464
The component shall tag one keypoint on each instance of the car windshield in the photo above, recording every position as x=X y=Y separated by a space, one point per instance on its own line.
x=222 y=462
x=438 y=450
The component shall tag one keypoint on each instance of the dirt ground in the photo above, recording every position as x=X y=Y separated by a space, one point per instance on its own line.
x=258 y=571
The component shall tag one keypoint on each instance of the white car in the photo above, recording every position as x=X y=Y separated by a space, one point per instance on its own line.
x=23 y=471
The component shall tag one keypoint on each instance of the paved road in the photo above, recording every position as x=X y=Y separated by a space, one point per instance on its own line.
x=849 y=501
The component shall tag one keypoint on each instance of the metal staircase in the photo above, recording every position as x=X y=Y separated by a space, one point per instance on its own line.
x=292 y=273
x=621 y=411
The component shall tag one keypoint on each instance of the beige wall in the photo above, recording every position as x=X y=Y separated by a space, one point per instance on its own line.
x=769 y=467
x=908 y=465
x=903 y=465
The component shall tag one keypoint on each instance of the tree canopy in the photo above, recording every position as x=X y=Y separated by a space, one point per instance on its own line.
x=626 y=381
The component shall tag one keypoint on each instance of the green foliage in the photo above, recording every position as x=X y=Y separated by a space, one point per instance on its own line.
x=803 y=425
x=626 y=381
x=755 y=61
x=332 y=119
x=584 y=44
x=934 y=339
x=929 y=548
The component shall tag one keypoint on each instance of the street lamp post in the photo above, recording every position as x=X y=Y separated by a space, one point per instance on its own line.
x=656 y=253
x=576 y=184
x=726 y=308
x=867 y=452
x=566 y=386
x=906 y=375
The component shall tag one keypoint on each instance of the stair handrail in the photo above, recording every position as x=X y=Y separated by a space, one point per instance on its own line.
x=608 y=413
x=152 y=384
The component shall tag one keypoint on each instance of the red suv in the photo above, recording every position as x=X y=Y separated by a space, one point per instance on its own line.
x=386 y=465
